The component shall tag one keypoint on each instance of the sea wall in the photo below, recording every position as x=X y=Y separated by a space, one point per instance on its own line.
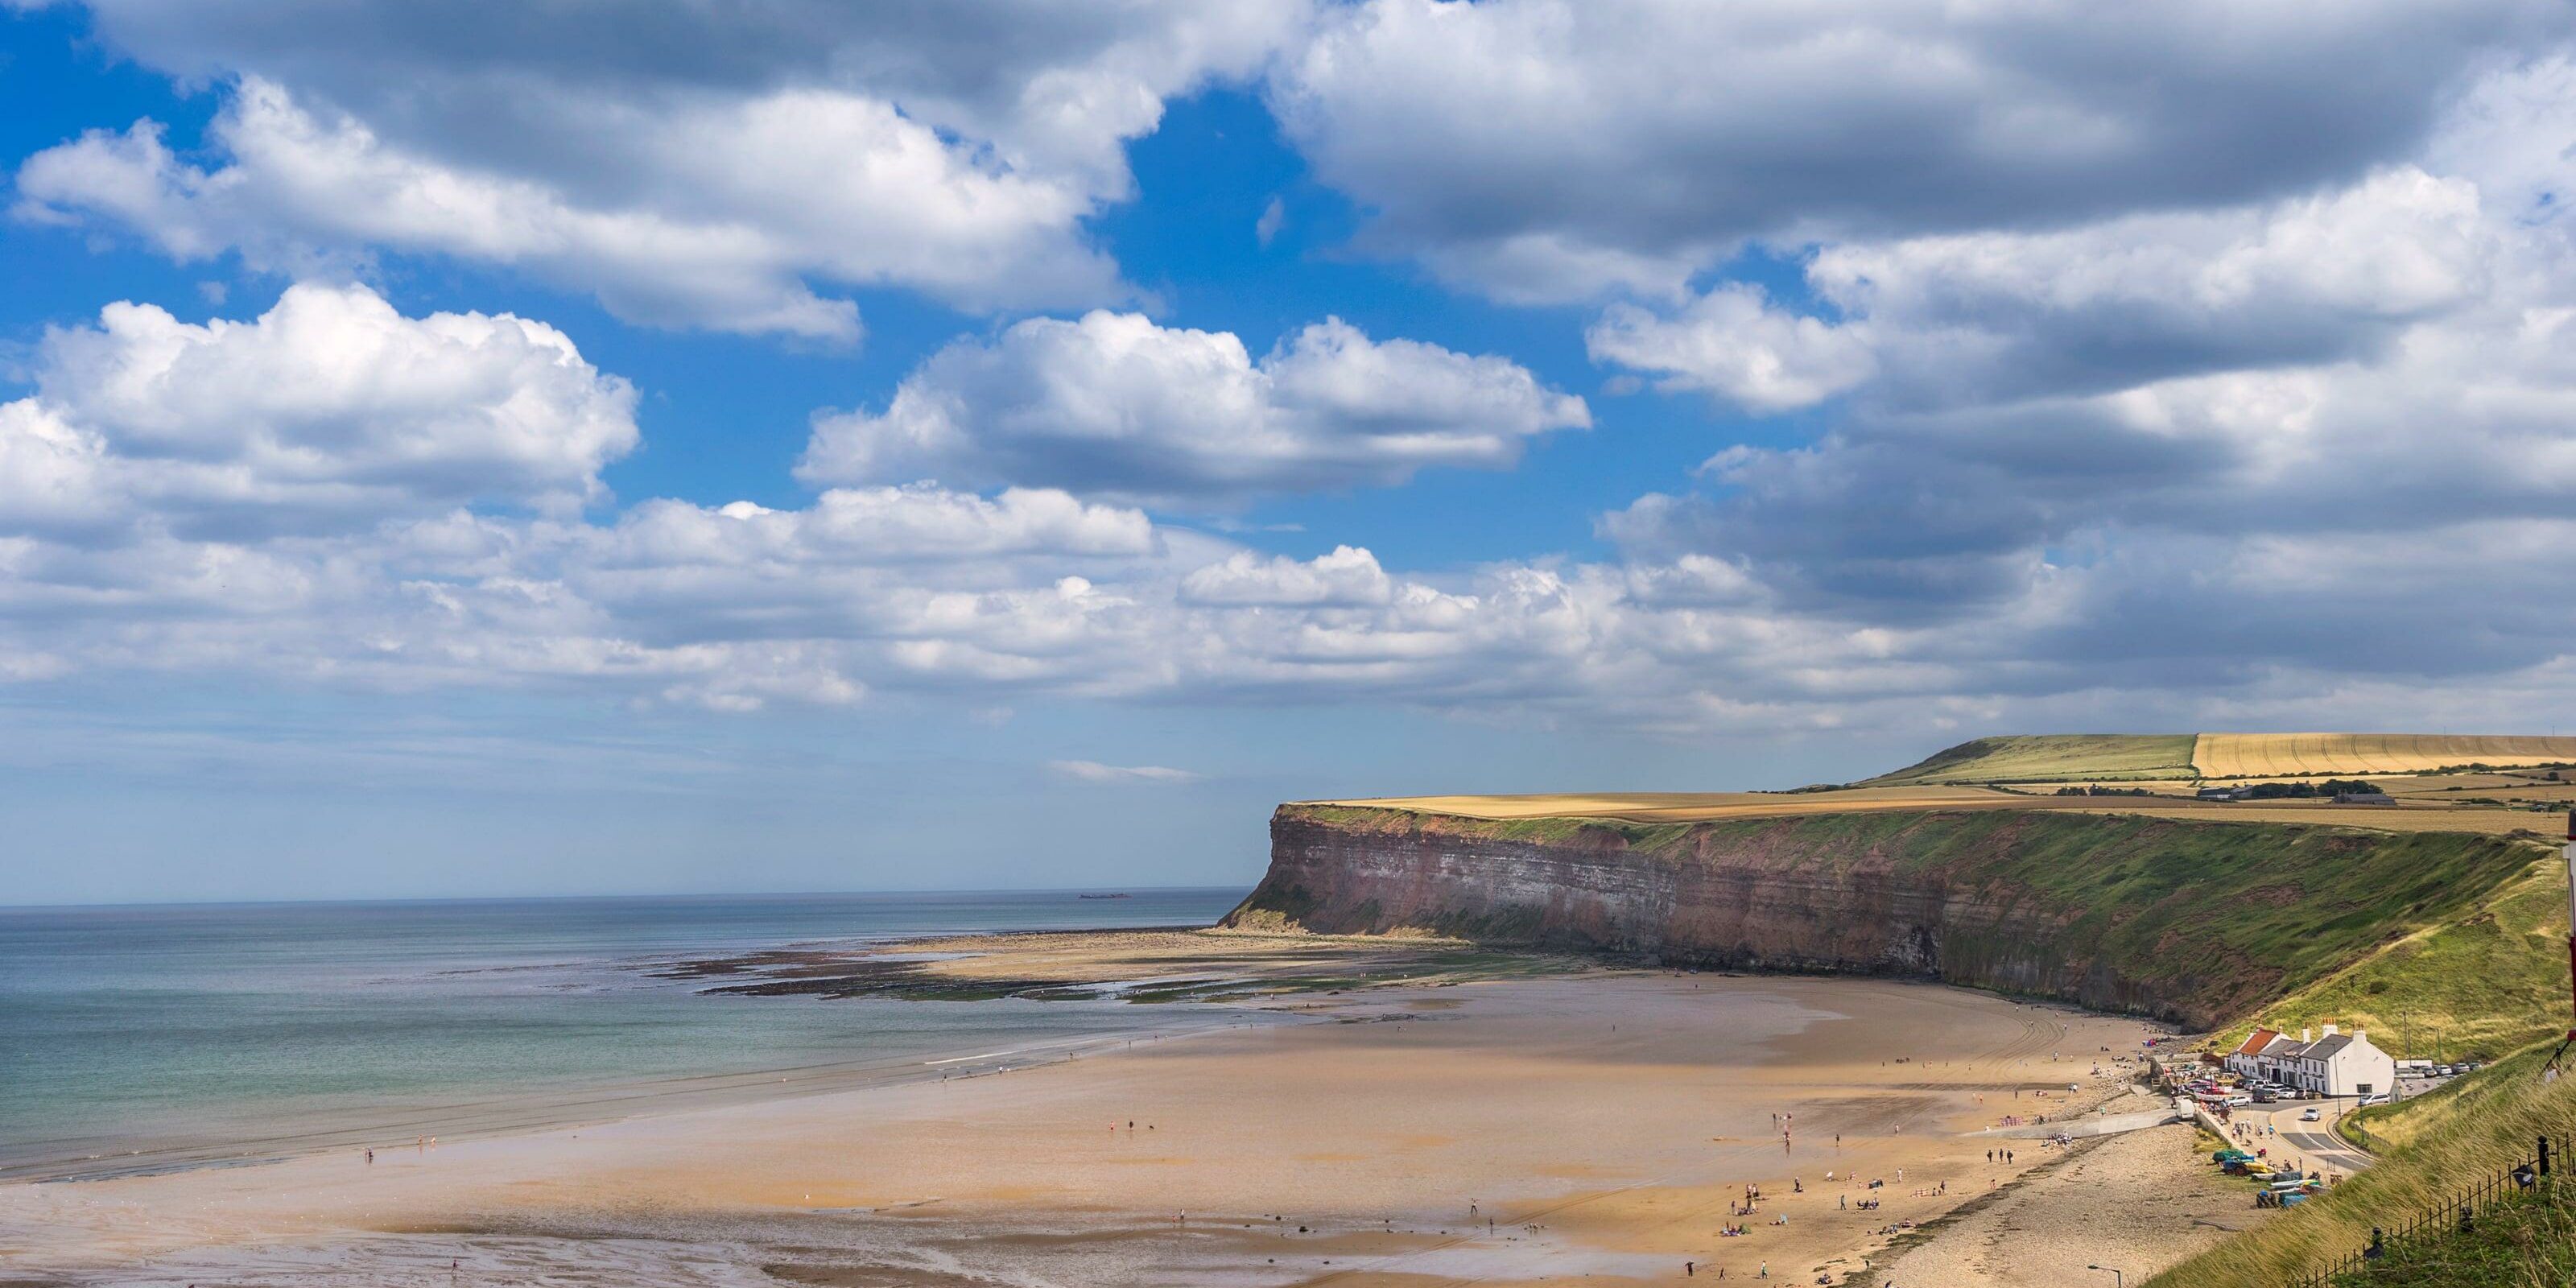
x=2189 y=921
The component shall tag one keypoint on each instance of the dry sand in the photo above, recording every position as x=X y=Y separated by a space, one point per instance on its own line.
x=2140 y=1201
x=1604 y=1124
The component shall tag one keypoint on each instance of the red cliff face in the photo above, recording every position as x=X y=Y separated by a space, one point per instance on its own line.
x=2105 y=911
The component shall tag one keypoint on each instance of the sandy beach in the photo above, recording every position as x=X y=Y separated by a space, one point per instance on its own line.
x=1603 y=1124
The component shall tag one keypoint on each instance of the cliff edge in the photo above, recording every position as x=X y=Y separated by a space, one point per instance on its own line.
x=2190 y=921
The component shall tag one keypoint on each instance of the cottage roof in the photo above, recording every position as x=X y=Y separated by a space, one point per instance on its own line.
x=2326 y=1047
x=2285 y=1048
x=2255 y=1042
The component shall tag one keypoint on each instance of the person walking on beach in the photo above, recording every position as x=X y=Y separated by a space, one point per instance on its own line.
x=371 y=1158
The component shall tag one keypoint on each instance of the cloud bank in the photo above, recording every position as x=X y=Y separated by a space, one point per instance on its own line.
x=2208 y=354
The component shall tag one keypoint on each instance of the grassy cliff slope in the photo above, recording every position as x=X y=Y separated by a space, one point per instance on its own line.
x=2209 y=920
x=2486 y=979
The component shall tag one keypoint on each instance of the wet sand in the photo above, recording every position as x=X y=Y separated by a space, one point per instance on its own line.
x=1505 y=1132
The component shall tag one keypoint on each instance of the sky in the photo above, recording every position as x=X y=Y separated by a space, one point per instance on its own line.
x=779 y=445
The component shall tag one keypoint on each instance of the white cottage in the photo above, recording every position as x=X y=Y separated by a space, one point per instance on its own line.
x=2278 y=1061
x=2337 y=1064
x=2346 y=1064
x=2246 y=1060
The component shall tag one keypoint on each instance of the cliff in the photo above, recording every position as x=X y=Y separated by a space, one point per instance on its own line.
x=2192 y=921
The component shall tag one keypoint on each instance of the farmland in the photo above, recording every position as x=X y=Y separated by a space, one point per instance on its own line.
x=2288 y=755
x=1692 y=807
x=2053 y=758
x=2175 y=759
x=2432 y=812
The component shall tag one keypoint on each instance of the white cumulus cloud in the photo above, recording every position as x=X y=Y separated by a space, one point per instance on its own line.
x=1114 y=405
x=738 y=167
x=1733 y=344
x=1347 y=577
x=330 y=410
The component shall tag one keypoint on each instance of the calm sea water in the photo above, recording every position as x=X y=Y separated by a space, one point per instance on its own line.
x=180 y=1034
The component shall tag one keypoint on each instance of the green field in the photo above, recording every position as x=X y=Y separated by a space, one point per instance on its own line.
x=2054 y=758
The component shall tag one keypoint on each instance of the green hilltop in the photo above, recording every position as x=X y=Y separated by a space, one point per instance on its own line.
x=2052 y=758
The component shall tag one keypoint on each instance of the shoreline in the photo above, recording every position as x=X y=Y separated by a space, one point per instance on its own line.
x=1071 y=961
x=1605 y=1122
x=1246 y=978
x=519 y=1112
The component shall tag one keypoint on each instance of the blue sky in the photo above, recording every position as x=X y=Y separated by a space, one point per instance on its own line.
x=786 y=446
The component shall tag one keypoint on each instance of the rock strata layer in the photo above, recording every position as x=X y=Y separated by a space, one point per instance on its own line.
x=2189 y=921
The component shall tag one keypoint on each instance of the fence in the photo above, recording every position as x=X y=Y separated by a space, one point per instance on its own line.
x=2456 y=1215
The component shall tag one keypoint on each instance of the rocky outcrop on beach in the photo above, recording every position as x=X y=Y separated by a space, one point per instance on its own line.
x=2189 y=921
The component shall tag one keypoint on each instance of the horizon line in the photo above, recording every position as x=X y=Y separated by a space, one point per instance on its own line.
x=672 y=895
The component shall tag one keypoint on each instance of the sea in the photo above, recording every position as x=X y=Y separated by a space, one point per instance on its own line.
x=149 y=1038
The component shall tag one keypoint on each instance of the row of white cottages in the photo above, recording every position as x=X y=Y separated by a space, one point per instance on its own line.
x=2338 y=1064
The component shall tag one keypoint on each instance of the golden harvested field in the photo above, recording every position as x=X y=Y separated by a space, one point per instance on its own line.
x=2140 y=759
x=2284 y=755
x=1689 y=807
x=1696 y=807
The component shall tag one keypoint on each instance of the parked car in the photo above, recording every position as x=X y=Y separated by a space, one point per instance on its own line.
x=2309 y=1115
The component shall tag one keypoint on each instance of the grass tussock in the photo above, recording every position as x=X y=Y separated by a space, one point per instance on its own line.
x=2529 y=1243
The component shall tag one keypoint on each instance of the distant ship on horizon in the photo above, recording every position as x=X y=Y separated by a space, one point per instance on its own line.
x=1103 y=896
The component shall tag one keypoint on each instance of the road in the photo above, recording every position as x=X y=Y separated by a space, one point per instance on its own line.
x=2304 y=1144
